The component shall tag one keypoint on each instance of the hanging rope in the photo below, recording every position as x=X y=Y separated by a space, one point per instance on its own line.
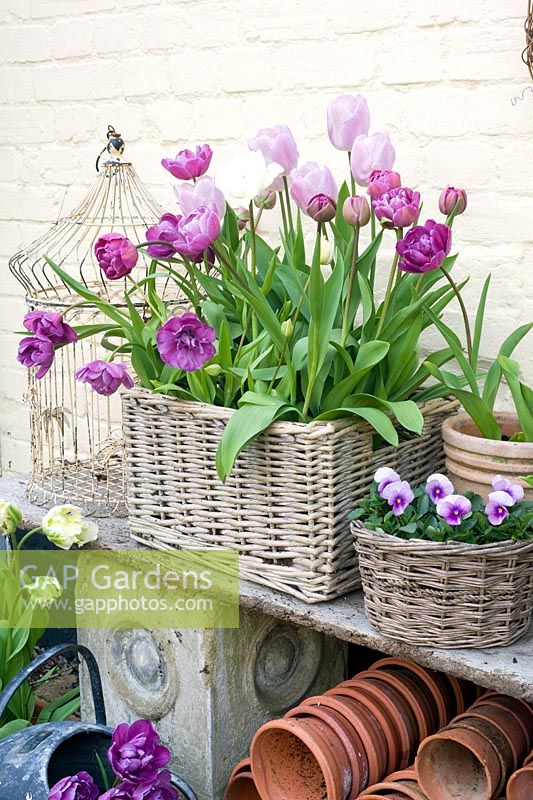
x=527 y=55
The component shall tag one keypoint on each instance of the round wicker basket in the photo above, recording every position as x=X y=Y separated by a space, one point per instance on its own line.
x=446 y=594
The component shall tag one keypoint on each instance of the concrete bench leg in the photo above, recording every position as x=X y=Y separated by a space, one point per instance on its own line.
x=209 y=691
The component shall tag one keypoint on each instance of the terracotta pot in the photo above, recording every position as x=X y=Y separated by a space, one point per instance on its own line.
x=497 y=740
x=521 y=711
x=371 y=696
x=472 y=461
x=529 y=759
x=458 y=763
x=470 y=693
x=342 y=729
x=403 y=718
x=299 y=759
x=520 y=786
x=363 y=744
x=506 y=724
x=438 y=690
x=243 y=766
x=403 y=775
x=373 y=726
x=405 y=789
x=242 y=787
x=410 y=696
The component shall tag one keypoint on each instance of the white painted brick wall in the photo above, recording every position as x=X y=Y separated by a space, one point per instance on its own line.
x=440 y=77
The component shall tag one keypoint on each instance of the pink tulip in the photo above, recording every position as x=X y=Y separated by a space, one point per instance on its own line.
x=278 y=146
x=370 y=153
x=348 y=117
x=191 y=196
x=309 y=180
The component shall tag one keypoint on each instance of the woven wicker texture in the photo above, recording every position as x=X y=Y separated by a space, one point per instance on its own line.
x=285 y=505
x=446 y=595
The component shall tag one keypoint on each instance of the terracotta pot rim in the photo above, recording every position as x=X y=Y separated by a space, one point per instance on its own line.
x=459 y=430
x=412 y=792
x=508 y=731
x=528 y=769
x=495 y=737
x=407 y=693
x=426 y=676
x=502 y=701
x=245 y=765
x=376 y=732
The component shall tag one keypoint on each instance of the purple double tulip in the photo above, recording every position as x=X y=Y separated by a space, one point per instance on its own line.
x=165 y=231
x=75 y=787
x=51 y=326
x=186 y=342
x=424 y=247
x=189 y=164
x=397 y=208
x=381 y=181
x=36 y=351
x=196 y=232
x=104 y=377
x=452 y=198
x=136 y=753
x=116 y=255
x=321 y=208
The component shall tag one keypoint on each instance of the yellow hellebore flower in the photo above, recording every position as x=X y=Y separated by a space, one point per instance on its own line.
x=10 y=517
x=65 y=526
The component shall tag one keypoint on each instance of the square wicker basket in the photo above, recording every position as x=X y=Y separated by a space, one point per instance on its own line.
x=284 y=507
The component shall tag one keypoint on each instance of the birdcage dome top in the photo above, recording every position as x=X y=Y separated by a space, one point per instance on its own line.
x=117 y=201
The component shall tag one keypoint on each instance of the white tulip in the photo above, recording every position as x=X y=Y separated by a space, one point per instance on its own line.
x=246 y=177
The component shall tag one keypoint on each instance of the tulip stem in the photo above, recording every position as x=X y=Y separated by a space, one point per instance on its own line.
x=372 y=276
x=289 y=210
x=463 y=311
x=352 y=179
x=390 y=284
x=253 y=267
x=26 y=537
x=353 y=272
x=283 y=216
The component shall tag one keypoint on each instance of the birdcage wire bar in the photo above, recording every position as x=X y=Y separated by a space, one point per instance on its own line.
x=76 y=434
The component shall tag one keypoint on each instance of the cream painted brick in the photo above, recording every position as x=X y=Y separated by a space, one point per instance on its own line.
x=222 y=118
x=192 y=73
x=72 y=38
x=59 y=82
x=509 y=164
x=340 y=65
x=173 y=119
x=26 y=43
x=16 y=84
x=367 y=15
x=15 y=455
x=246 y=69
x=16 y=9
x=485 y=52
x=57 y=8
x=414 y=58
x=138 y=76
x=8 y=164
x=114 y=33
x=218 y=25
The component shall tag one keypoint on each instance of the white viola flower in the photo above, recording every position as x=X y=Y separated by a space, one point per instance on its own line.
x=246 y=177
x=65 y=526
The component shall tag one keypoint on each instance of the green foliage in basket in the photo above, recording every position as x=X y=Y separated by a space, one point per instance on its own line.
x=433 y=512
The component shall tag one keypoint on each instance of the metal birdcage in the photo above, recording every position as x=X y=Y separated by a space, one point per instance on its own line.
x=76 y=434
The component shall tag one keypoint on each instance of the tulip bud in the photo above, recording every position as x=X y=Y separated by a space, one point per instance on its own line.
x=266 y=200
x=321 y=208
x=213 y=369
x=10 y=517
x=356 y=211
x=287 y=328
x=450 y=198
x=243 y=217
x=326 y=251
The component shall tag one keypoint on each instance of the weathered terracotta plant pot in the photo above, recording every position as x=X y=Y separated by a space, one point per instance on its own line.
x=406 y=789
x=242 y=787
x=507 y=724
x=520 y=786
x=409 y=693
x=472 y=461
x=458 y=763
x=519 y=709
x=500 y=743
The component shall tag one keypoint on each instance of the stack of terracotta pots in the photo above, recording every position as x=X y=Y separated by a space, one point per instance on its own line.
x=335 y=745
x=473 y=757
x=401 y=785
x=520 y=786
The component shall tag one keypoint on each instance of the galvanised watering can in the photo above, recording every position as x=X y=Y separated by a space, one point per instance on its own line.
x=35 y=758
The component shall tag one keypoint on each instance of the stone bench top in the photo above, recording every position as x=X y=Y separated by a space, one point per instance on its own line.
x=507 y=669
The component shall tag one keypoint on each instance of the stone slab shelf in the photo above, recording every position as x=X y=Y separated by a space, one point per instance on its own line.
x=507 y=669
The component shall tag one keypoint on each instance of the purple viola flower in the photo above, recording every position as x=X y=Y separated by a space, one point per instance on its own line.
x=309 y=180
x=278 y=146
x=384 y=476
x=424 y=247
x=381 y=181
x=51 y=326
x=370 y=153
x=453 y=508
x=397 y=208
x=347 y=117
x=438 y=487
x=321 y=208
x=104 y=377
x=204 y=192
x=186 y=342
x=166 y=230
x=36 y=351
x=516 y=491
x=188 y=164
x=159 y=789
x=450 y=198
x=124 y=791
x=196 y=232
x=398 y=495
x=497 y=507
x=116 y=255
x=75 y=787
x=136 y=753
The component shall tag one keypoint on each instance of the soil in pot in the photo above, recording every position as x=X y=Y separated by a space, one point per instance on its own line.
x=520 y=786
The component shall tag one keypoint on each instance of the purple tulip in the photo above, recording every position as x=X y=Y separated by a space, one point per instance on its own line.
x=348 y=117
x=309 y=180
x=166 y=230
x=36 y=351
x=370 y=153
x=104 y=377
x=124 y=791
x=204 y=192
x=453 y=508
x=515 y=491
x=381 y=181
x=398 y=495
x=450 y=198
x=384 y=476
x=186 y=342
x=321 y=208
x=188 y=165
x=160 y=789
x=398 y=208
x=356 y=211
x=196 y=232
x=75 y=787
x=277 y=146
x=497 y=507
x=51 y=326
x=424 y=247
x=438 y=487
x=116 y=255
x=136 y=753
